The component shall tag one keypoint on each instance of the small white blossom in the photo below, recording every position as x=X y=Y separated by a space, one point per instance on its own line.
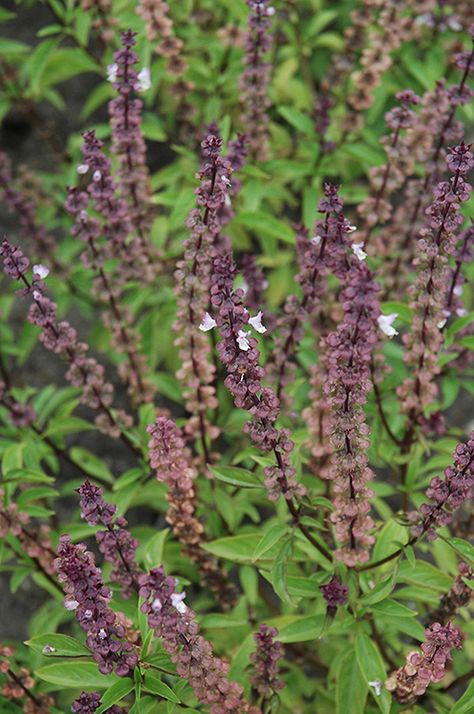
x=458 y=290
x=88 y=614
x=385 y=323
x=316 y=240
x=227 y=200
x=41 y=271
x=102 y=633
x=461 y=312
x=377 y=685
x=156 y=605
x=177 y=602
x=48 y=649
x=37 y=295
x=225 y=181
x=242 y=340
x=71 y=605
x=256 y=322
x=358 y=252
x=207 y=323
x=351 y=229
x=112 y=70
x=265 y=284
x=96 y=176
x=144 y=80
x=442 y=322
x=270 y=11
x=244 y=287
x=82 y=168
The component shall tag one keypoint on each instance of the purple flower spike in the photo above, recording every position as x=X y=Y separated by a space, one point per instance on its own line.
x=266 y=661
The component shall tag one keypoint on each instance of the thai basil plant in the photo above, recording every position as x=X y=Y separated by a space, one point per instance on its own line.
x=236 y=357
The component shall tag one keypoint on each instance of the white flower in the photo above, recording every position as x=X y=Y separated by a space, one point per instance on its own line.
x=112 y=70
x=265 y=284
x=244 y=287
x=256 y=322
x=316 y=240
x=270 y=11
x=102 y=633
x=458 y=290
x=385 y=323
x=225 y=181
x=144 y=80
x=441 y=323
x=41 y=271
x=377 y=685
x=71 y=605
x=156 y=605
x=227 y=200
x=82 y=169
x=37 y=295
x=461 y=312
x=48 y=649
x=358 y=252
x=207 y=323
x=177 y=602
x=242 y=340
x=96 y=176
x=88 y=614
x=351 y=229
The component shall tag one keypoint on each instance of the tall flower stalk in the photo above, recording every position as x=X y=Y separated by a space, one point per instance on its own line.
x=256 y=76
x=172 y=462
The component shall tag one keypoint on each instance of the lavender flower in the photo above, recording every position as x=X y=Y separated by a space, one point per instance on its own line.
x=256 y=76
x=172 y=461
x=173 y=621
x=115 y=542
x=458 y=596
x=436 y=243
x=265 y=661
x=240 y=355
x=61 y=338
x=192 y=290
x=128 y=143
x=334 y=592
x=88 y=703
x=429 y=665
x=446 y=494
x=349 y=353
x=89 y=597
x=158 y=23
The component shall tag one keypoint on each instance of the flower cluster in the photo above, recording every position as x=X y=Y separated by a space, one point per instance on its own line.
x=173 y=621
x=334 y=592
x=104 y=22
x=325 y=253
x=35 y=541
x=89 y=702
x=429 y=665
x=255 y=283
x=89 y=598
x=349 y=353
x=128 y=144
x=436 y=243
x=158 y=23
x=240 y=355
x=117 y=317
x=172 y=461
x=266 y=660
x=62 y=338
x=400 y=162
x=123 y=240
x=192 y=289
x=446 y=494
x=19 y=684
x=458 y=596
x=115 y=543
x=255 y=77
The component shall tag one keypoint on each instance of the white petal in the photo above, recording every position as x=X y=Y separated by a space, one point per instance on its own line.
x=270 y=11
x=207 y=323
x=37 y=295
x=82 y=169
x=358 y=252
x=71 y=605
x=41 y=270
x=458 y=290
x=256 y=322
x=156 y=605
x=385 y=323
x=112 y=70
x=351 y=229
x=461 y=312
x=316 y=240
x=377 y=685
x=144 y=79
x=96 y=176
x=177 y=602
x=242 y=340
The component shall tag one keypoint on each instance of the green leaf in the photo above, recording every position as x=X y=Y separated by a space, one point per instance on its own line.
x=66 y=63
x=265 y=224
x=269 y=539
x=279 y=572
x=78 y=675
x=153 y=551
x=28 y=476
x=380 y=591
x=115 y=693
x=239 y=549
x=392 y=608
x=298 y=120
x=462 y=547
x=465 y=705
x=351 y=687
x=98 y=96
x=237 y=476
x=91 y=464
x=303 y=629
x=152 y=683
x=62 y=645
x=372 y=667
x=405 y=314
